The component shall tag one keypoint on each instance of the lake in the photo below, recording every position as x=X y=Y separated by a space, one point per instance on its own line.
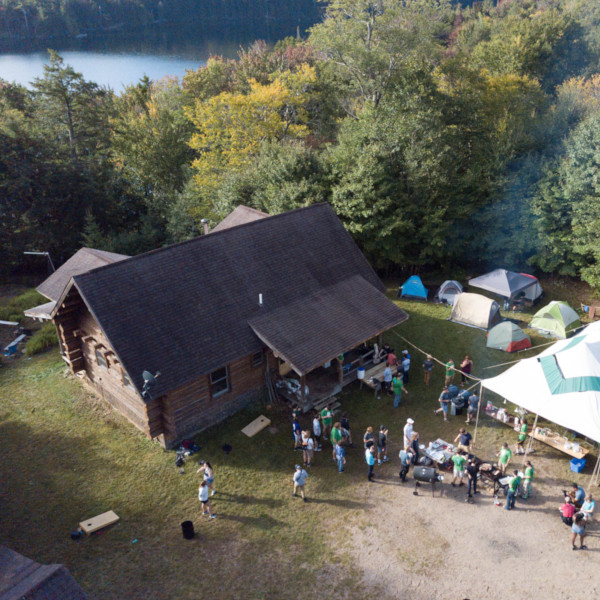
x=113 y=69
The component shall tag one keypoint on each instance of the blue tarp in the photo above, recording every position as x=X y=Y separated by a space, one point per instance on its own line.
x=414 y=288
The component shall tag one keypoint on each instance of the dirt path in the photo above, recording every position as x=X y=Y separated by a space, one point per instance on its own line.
x=421 y=548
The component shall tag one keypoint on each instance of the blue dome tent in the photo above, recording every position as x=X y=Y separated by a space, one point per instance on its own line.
x=413 y=288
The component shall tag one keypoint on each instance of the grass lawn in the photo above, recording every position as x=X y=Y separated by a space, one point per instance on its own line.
x=67 y=457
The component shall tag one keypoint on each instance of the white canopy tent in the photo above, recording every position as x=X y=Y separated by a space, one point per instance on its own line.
x=562 y=384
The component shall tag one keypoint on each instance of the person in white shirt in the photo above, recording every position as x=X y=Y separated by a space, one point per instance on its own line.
x=317 y=432
x=299 y=480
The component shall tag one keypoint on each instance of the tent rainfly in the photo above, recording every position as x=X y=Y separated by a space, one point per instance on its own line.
x=448 y=291
x=507 y=284
x=413 y=288
x=557 y=319
x=475 y=310
x=508 y=336
x=533 y=292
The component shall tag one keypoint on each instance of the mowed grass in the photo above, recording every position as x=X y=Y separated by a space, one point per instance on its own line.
x=67 y=457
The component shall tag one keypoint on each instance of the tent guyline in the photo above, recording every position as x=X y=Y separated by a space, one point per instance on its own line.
x=476 y=379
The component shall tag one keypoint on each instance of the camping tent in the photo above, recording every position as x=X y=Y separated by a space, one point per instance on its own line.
x=508 y=336
x=507 y=284
x=475 y=310
x=562 y=384
x=449 y=290
x=533 y=292
x=557 y=318
x=413 y=287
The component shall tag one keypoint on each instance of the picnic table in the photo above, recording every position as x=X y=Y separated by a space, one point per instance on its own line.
x=375 y=372
x=439 y=451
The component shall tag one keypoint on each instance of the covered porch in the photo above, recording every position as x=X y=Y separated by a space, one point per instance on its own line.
x=319 y=343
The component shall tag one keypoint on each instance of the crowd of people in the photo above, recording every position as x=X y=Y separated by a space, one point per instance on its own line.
x=576 y=512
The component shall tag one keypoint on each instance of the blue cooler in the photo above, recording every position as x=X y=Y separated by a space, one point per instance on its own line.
x=577 y=465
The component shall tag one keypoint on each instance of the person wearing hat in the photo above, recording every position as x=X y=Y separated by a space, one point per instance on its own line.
x=411 y=440
x=427 y=369
x=299 y=480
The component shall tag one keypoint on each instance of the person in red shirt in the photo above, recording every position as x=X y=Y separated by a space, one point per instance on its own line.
x=567 y=510
x=391 y=359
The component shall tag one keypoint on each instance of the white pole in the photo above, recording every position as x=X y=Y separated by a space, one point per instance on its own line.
x=478 y=409
x=530 y=442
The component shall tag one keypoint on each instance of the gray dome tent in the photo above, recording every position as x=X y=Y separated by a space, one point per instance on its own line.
x=507 y=336
x=449 y=290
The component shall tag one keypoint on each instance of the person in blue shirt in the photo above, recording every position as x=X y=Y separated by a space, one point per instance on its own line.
x=340 y=456
x=370 y=460
x=577 y=494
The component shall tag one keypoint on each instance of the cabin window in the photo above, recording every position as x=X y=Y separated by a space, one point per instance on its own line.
x=100 y=359
x=219 y=382
x=126 y=379
x=257 y=359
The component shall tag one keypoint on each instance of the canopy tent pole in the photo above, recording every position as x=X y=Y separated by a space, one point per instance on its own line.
x=478 y=409
x=530 y=442
x=596 y=472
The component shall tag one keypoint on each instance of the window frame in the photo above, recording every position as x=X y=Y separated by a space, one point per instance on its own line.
x=126 y=380
x=214 y=383
x=253 y=362
x=100 y=358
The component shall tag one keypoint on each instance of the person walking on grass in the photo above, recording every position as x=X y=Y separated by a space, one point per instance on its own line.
x=405 y=366
x=326 y=420
x=504 y=457
x=317 y=432
x=297 y=433
x=299 y=480
x=399 y=389
x=444 y=401
x=336 y=436
x=578 y=529
x=382 y=445
x=370 y=460
x=203 y=497
x=465 y=366
x=511 y=493
x=308 y=448
x=208 y=475
x=459 y=461
x=527 y=479
x=449 y=372
x=406 y=457
x=340 y=456
x=427 y=369
x=522 y=437
x=472 y=406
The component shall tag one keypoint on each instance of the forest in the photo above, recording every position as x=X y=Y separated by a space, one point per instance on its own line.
x=443 y=136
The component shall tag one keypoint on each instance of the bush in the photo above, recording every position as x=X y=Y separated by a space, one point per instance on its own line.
x=42 y=340
x=12 y=309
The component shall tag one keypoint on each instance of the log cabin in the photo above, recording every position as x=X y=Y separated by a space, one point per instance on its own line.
x=217 y=314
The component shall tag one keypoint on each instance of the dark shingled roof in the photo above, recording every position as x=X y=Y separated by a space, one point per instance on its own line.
x=21 y=577
x=315 y=329
x=183 y=310
x=240 y=216
x=82 y=261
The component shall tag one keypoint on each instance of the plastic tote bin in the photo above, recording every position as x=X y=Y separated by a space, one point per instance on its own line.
x=577 y=465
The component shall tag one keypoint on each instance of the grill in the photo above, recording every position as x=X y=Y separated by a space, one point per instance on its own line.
x=425 y=475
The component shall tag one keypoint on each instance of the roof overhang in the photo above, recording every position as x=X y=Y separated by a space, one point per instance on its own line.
x=309 y=332
x=42 y=312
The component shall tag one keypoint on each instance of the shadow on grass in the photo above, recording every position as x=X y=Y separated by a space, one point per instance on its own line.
x=264 y=521
x=246 y=499
x=340 y=503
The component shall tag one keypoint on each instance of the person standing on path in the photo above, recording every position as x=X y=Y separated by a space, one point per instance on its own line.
x=527 y=479
x=340 y=456
x=444 y=401
x=522 y=437
x=382 y=445
x=587 y=508
x=399 y=389
x=578 y=529
x=317 y=432
x=427 y=369
x=406 y=457
x=472 y=473
x=299 y=480
x=504 y=457
x=208 y=475
x=370 y=460
x=203 y=497
x=465 y=366
x=326 y=420
x=449 y=372
x=459 y=461
x=511 y=493
x=567 y=510
x=405 y=366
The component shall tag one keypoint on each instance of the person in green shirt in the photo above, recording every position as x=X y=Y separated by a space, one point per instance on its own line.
x=459 y=461
x=511 y=494
x=526 y=490
x=449 y=372
x=336 y=436
x=399 y=389
x=522 y=437
x=326 y=420
x=504 y=457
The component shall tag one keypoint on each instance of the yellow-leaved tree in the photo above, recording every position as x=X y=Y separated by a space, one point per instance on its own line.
x=231 y=126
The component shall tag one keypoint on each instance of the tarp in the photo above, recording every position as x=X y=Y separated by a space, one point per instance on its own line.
x=557 y=319
x=562 y=384
x=448 y=290
x=414 y=288
x=534 y=291
x=508 y=336
x=505 y=283
x=475 y=310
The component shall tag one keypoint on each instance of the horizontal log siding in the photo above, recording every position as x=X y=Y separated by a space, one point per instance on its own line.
x=191 y=408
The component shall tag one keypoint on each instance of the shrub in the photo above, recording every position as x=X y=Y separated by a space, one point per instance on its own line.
x=12 y=309
x=41 y=340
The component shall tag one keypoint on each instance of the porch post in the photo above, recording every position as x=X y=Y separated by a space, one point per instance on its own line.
x=340 y=364
x=303 y=390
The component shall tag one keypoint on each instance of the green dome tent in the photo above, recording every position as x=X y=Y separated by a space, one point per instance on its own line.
x=508 y=336
x=558 y=319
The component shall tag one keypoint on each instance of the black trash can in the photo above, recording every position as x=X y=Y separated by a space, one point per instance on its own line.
x=187 y=528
